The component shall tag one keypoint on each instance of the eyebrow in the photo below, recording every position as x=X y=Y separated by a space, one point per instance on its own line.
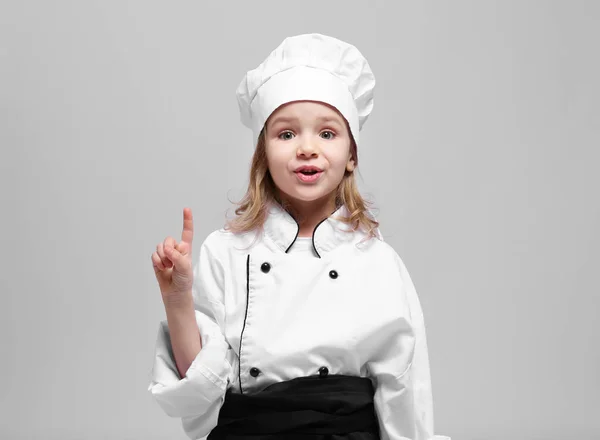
x=292 y=119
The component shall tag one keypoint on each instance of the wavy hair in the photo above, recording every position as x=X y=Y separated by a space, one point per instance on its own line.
x=253 y=207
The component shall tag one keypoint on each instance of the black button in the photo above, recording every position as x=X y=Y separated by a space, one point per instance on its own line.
x=333 y=274
x=254 y=371
x=323 y=371
x=265 y=267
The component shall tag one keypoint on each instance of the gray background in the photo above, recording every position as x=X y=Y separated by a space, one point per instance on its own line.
x=481 y=156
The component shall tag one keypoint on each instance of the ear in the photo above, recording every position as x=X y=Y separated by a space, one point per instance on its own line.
x=350 y=165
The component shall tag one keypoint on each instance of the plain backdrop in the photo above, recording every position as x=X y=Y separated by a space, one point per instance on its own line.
x=480 y=158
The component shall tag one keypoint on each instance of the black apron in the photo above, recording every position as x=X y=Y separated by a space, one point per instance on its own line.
x=334 y=407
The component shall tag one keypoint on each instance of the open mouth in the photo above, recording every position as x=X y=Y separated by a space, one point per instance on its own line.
x=309 y=176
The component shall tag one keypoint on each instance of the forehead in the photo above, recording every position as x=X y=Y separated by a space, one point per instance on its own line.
x=306 y=110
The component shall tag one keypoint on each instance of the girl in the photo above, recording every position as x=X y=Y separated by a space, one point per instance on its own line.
x=298 y=321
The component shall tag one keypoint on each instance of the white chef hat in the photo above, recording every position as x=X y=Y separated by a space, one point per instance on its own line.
x=310 y=67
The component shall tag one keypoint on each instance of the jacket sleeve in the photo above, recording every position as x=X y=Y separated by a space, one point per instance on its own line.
x=197 y=397
x=404 y=401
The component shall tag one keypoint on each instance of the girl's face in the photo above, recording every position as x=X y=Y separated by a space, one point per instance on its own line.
x=307 y=133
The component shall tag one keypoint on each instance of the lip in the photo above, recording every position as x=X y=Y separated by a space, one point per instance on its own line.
x=307 y=167
x=309 y=178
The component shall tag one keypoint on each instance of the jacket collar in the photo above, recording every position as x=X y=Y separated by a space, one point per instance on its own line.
x=283 y=230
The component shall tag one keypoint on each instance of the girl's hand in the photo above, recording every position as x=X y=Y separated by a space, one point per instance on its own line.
x=172 y=263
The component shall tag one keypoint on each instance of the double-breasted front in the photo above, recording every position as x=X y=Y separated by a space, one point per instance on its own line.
x=269 y=312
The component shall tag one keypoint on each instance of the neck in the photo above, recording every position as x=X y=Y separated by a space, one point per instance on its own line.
x=310 y=214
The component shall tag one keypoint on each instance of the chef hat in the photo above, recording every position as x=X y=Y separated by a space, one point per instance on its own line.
x=310 y=67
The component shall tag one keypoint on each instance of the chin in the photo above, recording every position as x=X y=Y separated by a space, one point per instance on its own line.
x=309 y=195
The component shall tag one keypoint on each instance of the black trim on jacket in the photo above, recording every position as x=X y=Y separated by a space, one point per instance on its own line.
x=245 y=316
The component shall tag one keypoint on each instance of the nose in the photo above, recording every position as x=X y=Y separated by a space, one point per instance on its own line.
x=307 y=148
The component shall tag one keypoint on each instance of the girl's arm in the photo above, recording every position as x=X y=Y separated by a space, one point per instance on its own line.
x=403 y=396
x=184 y=334
x=196 y=395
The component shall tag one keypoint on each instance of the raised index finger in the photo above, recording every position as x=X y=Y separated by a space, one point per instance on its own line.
x=187 y=234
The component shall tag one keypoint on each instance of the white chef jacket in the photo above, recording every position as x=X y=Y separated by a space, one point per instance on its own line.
x=268 y=314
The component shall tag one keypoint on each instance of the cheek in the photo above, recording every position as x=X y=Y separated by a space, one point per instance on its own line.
x=271 y=156
x=277 y=166
x=337 y=152
x=275 y=160
x=338 y=161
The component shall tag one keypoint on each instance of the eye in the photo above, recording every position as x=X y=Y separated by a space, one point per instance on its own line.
x=284 y=133
x=331 y=134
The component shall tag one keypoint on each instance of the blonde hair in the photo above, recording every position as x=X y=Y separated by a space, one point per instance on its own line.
x=262 y=191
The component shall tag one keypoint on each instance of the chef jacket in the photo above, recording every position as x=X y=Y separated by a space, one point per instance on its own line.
x=270 y=311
